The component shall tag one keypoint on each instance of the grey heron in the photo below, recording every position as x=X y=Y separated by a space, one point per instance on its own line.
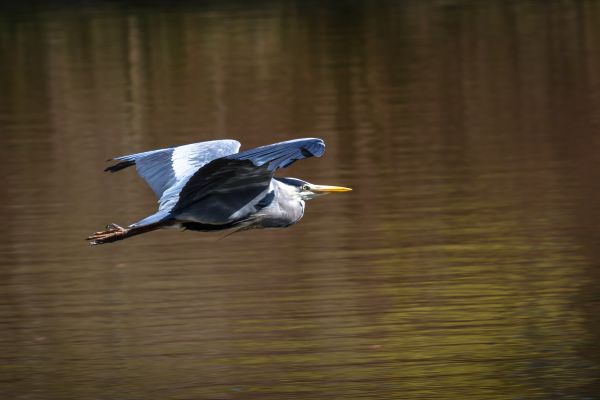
x=210 y=186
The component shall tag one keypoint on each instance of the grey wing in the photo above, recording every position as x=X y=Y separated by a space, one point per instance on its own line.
x=228 y=188
x=282 y=154
x=164 y=168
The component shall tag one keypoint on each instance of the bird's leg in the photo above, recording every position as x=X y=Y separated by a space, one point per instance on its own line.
x=112 y=233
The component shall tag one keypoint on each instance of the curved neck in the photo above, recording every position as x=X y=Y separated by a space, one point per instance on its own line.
x=287 y=207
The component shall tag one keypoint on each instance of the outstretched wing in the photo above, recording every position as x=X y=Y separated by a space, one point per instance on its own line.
x=164 y=168
x=282 y=154
x=227 y=188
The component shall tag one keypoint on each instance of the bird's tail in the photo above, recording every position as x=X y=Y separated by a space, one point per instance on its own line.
x=115 y=233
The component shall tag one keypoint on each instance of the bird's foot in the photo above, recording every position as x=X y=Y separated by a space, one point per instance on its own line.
x=112 y=233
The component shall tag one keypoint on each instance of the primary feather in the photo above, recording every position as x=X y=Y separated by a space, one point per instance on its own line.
x=164 y=168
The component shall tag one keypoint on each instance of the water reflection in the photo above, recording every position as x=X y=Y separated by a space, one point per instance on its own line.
x=462 y=266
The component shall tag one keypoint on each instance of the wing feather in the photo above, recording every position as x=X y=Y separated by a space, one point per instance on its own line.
x=283 y=154
x=164 y=168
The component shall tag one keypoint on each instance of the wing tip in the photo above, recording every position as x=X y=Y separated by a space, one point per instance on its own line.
x=119 y=166
x=316 y=147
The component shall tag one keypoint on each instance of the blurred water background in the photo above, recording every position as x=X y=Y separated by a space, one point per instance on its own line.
x=464 y=265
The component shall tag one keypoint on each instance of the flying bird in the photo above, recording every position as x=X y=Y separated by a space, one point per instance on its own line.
x=210 y=186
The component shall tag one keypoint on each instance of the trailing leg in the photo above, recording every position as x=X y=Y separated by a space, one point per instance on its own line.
x=115 y=232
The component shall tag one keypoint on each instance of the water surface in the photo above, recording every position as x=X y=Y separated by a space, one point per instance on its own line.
x=463 y=265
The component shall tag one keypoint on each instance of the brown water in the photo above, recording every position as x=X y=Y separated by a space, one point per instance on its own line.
x=464 y=265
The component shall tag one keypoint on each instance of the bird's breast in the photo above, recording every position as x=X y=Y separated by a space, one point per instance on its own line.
x=281 y=214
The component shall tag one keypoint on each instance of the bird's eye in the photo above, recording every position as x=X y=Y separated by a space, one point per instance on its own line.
x=305 y=187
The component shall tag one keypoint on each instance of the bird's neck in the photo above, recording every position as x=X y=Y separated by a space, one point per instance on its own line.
x=289 y=204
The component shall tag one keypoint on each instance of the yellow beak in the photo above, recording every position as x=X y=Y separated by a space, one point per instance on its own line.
x=328 y=189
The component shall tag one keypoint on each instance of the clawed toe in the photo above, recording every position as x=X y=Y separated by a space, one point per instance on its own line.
x=113 y=232
x=114 y=227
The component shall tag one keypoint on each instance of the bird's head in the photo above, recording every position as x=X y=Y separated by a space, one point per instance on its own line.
x=308 y=191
